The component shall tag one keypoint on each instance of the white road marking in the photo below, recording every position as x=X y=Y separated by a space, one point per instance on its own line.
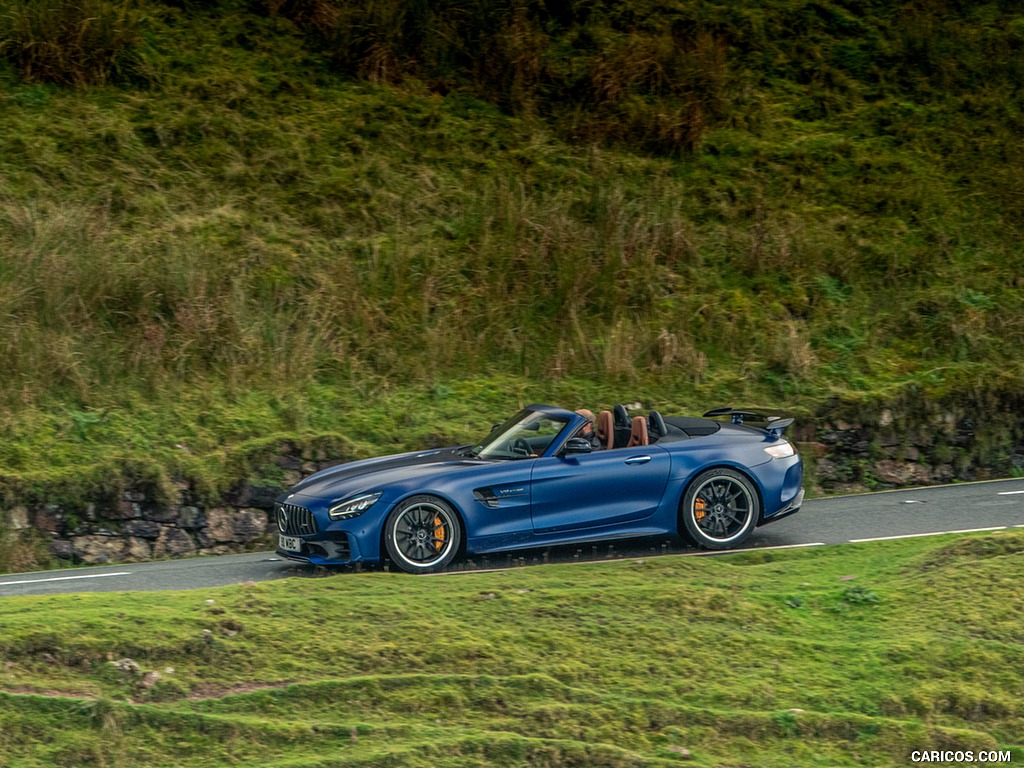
x=1010 y=493
x=912 y=501
x=64 y=578
x=930 y=533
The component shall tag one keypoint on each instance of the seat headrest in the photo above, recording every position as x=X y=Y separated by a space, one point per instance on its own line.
x=656 y=424
x=606 y=429
x=638 y=434
x=621 y=415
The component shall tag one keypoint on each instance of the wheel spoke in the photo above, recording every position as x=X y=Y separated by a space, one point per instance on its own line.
x=738 y=519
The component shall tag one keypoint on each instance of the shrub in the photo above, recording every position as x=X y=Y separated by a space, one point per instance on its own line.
x=72 y=42
x=653 y=80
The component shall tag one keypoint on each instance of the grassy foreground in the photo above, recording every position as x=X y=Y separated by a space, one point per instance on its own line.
x=851 y=655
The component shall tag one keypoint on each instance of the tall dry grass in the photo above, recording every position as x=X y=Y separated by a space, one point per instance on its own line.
x=72 y=42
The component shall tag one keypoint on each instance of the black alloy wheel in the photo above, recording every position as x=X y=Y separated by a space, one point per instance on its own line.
x=422 y=534
x=720 y=509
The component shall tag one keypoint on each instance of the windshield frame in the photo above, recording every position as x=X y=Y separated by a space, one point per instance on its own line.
x=514 y=428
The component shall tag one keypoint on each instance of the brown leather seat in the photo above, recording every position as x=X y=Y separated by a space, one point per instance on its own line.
x=638 y=434
x=606 y=429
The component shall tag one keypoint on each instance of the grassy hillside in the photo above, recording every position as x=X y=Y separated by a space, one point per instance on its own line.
x=245 y=204
x=852 y=655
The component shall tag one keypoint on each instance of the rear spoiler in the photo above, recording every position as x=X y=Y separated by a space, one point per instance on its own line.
x=775 y=425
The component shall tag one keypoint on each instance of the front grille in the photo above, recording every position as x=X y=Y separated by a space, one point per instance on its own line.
x=294 y=520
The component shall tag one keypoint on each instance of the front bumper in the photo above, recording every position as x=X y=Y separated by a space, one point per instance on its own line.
x=336 y=549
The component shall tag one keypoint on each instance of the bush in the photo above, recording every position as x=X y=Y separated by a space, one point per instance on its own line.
x=72 y=42
x=650 y=79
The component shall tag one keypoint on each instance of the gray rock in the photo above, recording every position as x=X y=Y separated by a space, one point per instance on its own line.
x=827 y=470
x=127 y=665
x=137 y=550
x=16 y=518
x=191 y=517
x=160 y=514
x=96 y=549
x=48 y=519
x=62 y=548
x=173 y=542
x=262 y=496
x=228 y=525
x=285 y=461
x=146 y=529
x=901 y=473
x=125 y=510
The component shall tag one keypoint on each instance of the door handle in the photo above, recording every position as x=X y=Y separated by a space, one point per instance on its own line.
x=638 y=459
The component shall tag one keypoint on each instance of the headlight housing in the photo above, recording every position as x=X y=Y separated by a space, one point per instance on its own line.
x=349 y=508
x=780 y=450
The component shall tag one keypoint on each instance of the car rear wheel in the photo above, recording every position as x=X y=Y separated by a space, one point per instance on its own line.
x=720 y=509
x=422 y=534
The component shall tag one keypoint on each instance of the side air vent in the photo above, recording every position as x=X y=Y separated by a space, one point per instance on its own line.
x=486 y=497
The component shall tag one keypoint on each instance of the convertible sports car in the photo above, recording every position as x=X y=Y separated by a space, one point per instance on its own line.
x=546 y=477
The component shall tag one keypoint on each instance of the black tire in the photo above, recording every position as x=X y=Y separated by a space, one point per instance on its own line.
x=720 y=509
x=422 y=534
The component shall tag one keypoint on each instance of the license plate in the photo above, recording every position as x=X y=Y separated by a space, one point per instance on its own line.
x=289 y=543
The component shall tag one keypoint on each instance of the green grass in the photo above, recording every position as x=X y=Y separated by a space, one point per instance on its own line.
x=851 y=655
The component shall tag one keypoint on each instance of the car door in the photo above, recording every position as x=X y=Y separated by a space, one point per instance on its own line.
x=589 y=490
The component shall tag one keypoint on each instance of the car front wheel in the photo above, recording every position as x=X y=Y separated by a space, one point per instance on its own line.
x=720 y=509
x=422 y=534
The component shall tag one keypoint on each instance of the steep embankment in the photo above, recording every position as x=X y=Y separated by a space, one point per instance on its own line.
x=251 y=218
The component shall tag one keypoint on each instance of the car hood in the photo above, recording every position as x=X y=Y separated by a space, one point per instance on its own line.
x=376 y=474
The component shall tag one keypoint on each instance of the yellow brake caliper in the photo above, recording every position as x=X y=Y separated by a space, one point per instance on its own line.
x=438 y=533
x=699 y=508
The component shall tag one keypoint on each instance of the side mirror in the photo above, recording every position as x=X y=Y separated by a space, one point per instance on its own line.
x=577 y=445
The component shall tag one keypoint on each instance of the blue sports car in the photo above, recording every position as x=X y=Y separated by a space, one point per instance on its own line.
x=549 y=476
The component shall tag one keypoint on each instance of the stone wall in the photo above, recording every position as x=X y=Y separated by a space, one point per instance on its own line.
x=914 y=442
x=137 y=527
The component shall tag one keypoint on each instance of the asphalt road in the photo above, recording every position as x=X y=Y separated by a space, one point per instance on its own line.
x=836 y=520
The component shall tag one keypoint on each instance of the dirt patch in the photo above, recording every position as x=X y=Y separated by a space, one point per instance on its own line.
x=28 y=690
x=216 y=691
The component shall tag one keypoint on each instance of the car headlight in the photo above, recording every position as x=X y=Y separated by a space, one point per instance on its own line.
x=781 y=450
x=349 y=508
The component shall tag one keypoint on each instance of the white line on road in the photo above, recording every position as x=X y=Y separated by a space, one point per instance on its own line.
x=64 y=578
x=1010 y=493
x=930 y=533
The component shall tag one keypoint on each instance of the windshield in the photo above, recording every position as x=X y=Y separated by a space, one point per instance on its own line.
x=526 y=435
